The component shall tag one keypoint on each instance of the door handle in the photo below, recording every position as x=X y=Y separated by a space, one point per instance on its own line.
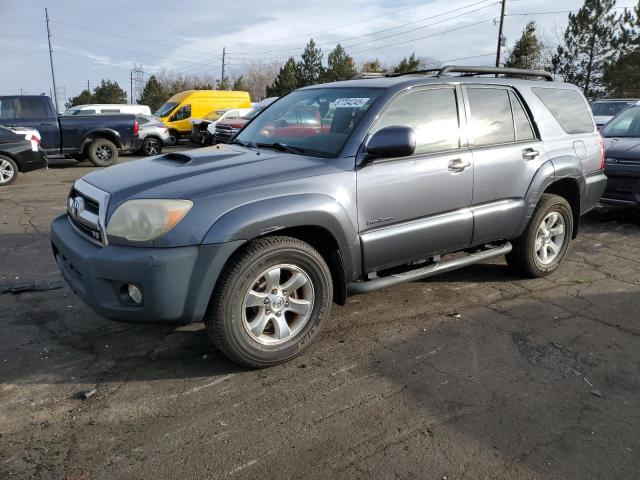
x=45 y=123
x=530 y=153
x=458 y=165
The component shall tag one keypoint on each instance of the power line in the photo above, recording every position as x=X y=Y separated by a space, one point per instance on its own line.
x=557 y=12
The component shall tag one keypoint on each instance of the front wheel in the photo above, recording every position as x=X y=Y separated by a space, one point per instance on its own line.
x=103 y=152
x=8 y=171
x=270 y=302
x=173 y=138
x=544 y=243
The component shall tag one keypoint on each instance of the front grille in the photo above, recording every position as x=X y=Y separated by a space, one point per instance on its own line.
x=86 y=207
x=225 y=134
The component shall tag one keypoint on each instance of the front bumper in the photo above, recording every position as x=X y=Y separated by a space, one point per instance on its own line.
x=623 y=185
x=176 y=283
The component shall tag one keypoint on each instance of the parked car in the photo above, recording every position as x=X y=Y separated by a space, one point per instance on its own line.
x=200 y=126
x=605 y=109
x=152 y=135
x=99 y=138
x=104 y=108
x=622 y=165
x=179 y=109
x=226 y=129
x=257 y=238
x=17 y=154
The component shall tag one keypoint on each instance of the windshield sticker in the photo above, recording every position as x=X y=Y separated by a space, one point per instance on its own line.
x=350 y=102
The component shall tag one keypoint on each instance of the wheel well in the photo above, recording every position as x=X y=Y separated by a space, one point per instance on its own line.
x=568 y=189
x=325 y=243
x=95 y=136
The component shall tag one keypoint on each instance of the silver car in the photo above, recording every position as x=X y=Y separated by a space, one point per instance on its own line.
x=152 y=135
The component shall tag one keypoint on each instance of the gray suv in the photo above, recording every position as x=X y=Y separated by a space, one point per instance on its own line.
x=335 y=190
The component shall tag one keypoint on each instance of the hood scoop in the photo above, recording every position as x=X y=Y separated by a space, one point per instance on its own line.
x=174 y=157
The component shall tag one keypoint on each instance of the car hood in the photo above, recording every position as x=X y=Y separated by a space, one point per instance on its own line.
x=204 y=172
x=620 y=147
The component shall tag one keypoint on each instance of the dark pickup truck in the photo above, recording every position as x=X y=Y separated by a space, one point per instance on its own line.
x=98 y=138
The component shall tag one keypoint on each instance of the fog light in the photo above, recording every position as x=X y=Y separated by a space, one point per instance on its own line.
x=134 y=294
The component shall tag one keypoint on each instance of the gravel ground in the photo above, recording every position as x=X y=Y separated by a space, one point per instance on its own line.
x=475 y=374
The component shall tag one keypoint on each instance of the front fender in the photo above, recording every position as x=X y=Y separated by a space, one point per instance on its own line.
x=267 y=216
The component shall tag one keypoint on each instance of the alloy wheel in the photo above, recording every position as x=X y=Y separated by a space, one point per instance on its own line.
x=6 y=171
x=550 y=238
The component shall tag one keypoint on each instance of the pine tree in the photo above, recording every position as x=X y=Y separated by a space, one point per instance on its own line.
x=153 y=94
x=286 y=81
x=622 y=73
x=239 y=84
x=310 y=69
x=407 y=65
x=224 y=84
x=82 y=99
x=109 y=92
x=340 y=65
x=588 y=45
x=527 y=49
x=372 y=66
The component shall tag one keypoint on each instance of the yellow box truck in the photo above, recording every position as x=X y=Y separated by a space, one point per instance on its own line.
x=177 y=111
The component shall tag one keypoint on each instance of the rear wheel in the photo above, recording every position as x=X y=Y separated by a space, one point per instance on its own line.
x=270 y=302
x=151 y=146
x=103 y=152
x=173 y=137
x=544 y=243
x=8 y=171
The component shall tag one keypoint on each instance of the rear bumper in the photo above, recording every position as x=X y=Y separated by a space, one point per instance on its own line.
x=594 y=188
x=30 y=160
x=176 y=283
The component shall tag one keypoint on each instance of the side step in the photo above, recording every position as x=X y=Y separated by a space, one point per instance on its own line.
x=356 y=288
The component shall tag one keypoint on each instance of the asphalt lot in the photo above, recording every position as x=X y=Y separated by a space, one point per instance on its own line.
x=475 y=374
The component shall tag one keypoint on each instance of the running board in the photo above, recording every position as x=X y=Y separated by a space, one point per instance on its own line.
x=437 y=268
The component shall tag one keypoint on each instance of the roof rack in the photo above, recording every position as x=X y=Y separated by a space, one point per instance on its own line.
x=469 y=71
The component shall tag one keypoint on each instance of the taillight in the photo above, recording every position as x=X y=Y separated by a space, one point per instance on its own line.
x=603 y=151
x=136 y=127
x=35 y=143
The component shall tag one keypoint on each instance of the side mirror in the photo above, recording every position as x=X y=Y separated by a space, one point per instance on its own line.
x=394 y=141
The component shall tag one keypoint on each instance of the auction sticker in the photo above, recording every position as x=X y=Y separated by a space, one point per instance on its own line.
x=350 y=102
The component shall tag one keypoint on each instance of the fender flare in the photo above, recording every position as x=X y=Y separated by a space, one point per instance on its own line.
x=268 y=216
x=107 y=133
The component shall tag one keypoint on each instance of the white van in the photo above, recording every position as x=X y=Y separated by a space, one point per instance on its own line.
x=104 y=108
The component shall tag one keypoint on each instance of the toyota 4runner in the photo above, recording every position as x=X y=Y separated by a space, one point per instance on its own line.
x=389 y=176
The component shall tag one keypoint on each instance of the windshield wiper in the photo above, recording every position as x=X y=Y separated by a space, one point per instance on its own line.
x=282 y=147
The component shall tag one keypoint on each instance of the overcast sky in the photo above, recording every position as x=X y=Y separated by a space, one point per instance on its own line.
x=95 y=40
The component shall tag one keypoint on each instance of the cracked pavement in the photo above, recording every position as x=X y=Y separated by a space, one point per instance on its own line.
x=534 y=379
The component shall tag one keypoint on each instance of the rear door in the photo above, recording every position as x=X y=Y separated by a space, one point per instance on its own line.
x=506 y=155
x=413 y=207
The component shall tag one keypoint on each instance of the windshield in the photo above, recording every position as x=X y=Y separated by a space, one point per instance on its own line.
x=215 y=115
x=609 y=108
x=165 y=109
x=315 y=122
x=254 y=111
x=627 y=124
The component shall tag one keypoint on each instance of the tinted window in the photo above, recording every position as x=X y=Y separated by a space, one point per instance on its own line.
x=142 y=120
x=433 y=115
x=609 y=108
x=491 y=119
x=627 y=124
x=84 y=112
x=524 y=131
x=30 y=108
x=6 y=108
x=568 y=107
x=109 y=110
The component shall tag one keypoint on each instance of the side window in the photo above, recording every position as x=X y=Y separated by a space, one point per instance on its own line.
x=433 y=115
x=186 y=111
x=31 y=108
x=491 y=120
x=110 y=110
x=7 y=110
x=524 y=130
x=142 y=120
x=568 y=107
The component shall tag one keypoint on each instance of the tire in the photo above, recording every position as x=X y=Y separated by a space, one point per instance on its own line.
x=151 y=146
x=103 y=152
x=173 y=138
x=252 y=335
x=8 y=171
x=553 y=215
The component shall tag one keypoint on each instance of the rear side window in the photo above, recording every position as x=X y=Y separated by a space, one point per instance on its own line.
x=31 y=108
x=6 y=109
x=433 y=115
x=568 y=108
x=524 y=130
x=491 y=119
x=110 y=110
x=142 y=120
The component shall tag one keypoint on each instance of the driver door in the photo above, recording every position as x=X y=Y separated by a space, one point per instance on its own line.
x=411 y=208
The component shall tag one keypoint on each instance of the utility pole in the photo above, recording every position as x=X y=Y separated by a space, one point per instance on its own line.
x=131 y=91
x=224 y=52
x=53 y=76
x=500 y=36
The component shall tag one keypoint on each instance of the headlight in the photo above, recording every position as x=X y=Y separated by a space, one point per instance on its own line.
x=143 y=220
